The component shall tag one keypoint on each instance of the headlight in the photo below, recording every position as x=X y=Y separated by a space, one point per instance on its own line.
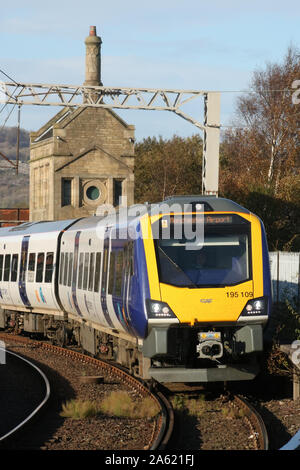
x=256 y=307
x=155 y=308
x=158 y=309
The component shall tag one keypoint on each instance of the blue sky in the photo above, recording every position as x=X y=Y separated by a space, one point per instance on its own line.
x=194 y=44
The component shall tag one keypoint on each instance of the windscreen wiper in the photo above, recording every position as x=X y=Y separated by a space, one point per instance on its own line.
x=178 y=268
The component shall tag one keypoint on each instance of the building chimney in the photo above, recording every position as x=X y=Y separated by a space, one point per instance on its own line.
x=93 y=59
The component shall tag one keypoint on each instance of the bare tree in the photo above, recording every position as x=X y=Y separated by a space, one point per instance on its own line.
x=267 y=145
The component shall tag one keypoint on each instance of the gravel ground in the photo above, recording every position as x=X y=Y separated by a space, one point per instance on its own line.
x=273 y=397
x=216 y=429
x=215 y=426
x=282 y=418
x=52 y=432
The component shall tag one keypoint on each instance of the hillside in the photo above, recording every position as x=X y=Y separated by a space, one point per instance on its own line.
x=14 y=189
x=8 y=143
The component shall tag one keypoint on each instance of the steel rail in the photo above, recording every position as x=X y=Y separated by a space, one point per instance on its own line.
x=250 y=414
x=167 y=425
x=163 y=425
x=39 y=407
x=255 y=422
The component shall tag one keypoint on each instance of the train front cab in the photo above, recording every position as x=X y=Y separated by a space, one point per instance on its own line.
x=207 y=326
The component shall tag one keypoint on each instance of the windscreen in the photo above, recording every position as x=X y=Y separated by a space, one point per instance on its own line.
x=221 y=258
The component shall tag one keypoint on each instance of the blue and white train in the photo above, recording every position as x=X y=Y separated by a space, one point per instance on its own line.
x=148 y=303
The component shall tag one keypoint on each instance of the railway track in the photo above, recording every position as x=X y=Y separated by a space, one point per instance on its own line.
x=255 y=421
x=210 y=420
x=161 y=437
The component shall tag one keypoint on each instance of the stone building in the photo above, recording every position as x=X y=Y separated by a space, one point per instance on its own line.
x=81 y=158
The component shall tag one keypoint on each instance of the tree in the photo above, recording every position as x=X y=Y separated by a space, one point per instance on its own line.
x=260 y=155
x=266 y=144
x=167 y=167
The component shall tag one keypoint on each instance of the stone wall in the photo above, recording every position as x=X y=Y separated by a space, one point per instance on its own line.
x=91 y=147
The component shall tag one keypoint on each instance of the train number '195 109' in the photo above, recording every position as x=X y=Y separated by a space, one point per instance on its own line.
x=235 y=294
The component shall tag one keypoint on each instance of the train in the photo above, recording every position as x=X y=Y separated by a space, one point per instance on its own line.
x=177 y=291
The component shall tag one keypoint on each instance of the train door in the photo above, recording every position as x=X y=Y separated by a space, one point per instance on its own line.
x=75 y=269
x=79 y=257
x=22 y=273
x=97 y=287
x=11 y=273
x=9 y=260
x=65 y=278
x=128 y=272
x=48 y=289
x=104 y=278
x=39 y=272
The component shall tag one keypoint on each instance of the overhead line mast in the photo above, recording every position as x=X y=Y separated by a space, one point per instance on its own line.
x=158 y=99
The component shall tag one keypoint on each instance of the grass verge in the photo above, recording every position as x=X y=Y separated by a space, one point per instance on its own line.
x=118 y=404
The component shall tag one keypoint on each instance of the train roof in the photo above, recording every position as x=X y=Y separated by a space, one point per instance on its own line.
x=89 y=223
x=29 y=228
x=211 y=203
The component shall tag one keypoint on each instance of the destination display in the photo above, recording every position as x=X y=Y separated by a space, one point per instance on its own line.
x=208 y=219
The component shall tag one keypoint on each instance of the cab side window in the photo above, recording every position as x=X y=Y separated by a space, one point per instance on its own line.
x=70 y=269
x=92 y=271
x=66 y=269
x=97 y=272
x=1 y=266
x=111 y=273
x=86 y=270
x=80 y=271
x=119 y=273
x=61 y=268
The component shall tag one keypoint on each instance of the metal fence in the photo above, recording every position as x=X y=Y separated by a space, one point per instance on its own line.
x=285 y=274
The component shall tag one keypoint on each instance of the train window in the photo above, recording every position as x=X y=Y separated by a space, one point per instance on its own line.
x=119 y=273
x=85 y=270
x=1 y=266
x=31 y=267
x=40 y=267
x=92 y=269
x=222 y=260
x=61 y=267
x=14 y=268
x=104 y=268
x=49 y=267
x=6 y=267
x=74 y=270
x=70 y=268
x=130 y=259
x=80 y=271
x=23 y=266
x=111 y=273
x=97 y=272
x=66 y=266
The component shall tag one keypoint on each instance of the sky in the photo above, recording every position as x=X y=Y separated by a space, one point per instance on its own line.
x=191 y=45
